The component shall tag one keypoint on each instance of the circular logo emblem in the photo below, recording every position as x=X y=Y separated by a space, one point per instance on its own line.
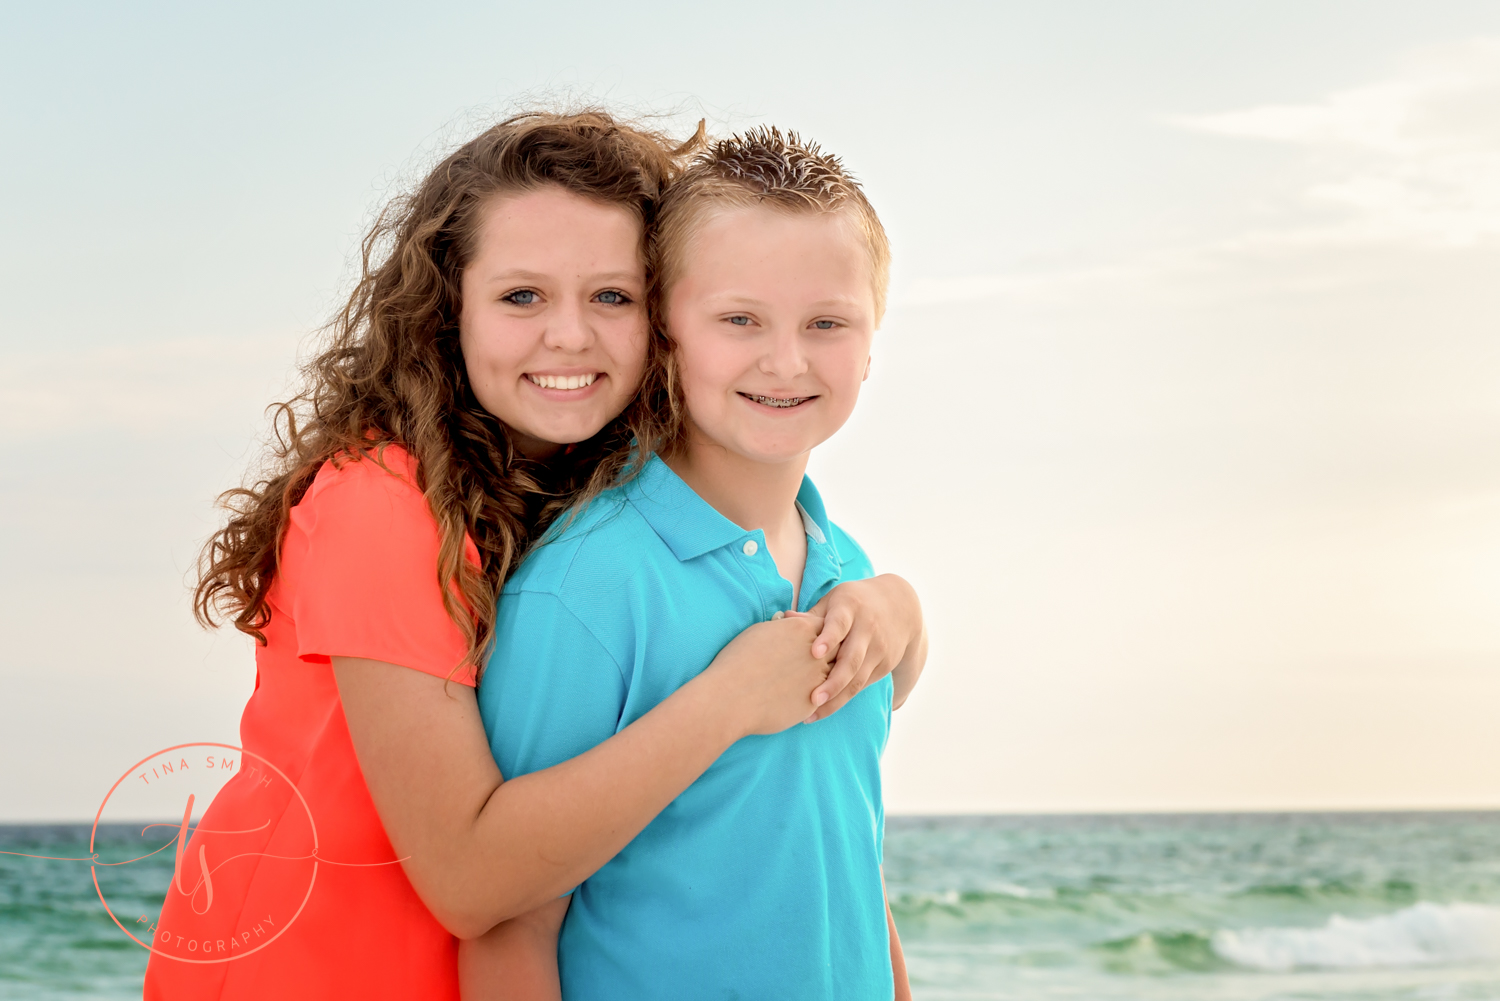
x=235 y=817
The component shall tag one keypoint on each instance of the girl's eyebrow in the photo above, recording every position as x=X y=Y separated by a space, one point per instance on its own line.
x=521 y=274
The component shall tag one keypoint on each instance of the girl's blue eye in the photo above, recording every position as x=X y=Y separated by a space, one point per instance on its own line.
x=520 y=297
x=612 y=298
x=823 y=324
x=740 y=321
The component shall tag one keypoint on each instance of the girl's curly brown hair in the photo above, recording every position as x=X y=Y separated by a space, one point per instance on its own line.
x=393 y=374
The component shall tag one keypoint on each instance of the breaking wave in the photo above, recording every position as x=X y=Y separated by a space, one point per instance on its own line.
x=1179 y=935
x=1426 y=934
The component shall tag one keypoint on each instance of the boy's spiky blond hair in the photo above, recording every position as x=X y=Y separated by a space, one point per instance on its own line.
x=763 y=167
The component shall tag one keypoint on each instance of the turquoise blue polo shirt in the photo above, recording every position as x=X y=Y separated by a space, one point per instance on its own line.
x=760 y=881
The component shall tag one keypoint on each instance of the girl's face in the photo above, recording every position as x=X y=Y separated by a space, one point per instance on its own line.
x=553 y=326
x=772 y=318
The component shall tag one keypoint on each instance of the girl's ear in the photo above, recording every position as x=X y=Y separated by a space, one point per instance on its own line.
x=866 y=376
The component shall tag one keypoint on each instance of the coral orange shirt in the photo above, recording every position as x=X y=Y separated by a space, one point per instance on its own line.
x=357 y=578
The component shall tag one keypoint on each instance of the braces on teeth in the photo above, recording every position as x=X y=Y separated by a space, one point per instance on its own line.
x=772 y=401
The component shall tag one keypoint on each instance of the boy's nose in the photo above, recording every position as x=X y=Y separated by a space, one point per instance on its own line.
x=783 y=357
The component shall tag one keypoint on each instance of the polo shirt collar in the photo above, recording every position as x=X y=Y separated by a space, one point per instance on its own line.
x=825 y=566
x=814 y=516
x=686 y=522
x=690 y=526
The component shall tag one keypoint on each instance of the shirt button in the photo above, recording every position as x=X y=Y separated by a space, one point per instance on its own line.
x=751 y=548
x=778 y=615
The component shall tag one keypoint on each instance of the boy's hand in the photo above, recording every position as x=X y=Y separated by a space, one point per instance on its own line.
x=874 y=627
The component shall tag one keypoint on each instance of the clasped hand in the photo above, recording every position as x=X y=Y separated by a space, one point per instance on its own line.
x=807 y=665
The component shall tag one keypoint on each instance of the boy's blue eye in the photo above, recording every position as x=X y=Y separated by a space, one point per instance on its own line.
x=612 y=297
x=520 y=297
x=740 y=321
x=823 y=324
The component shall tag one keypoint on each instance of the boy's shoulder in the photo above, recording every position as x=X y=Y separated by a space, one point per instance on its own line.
x=853 y=561
x=595 y=545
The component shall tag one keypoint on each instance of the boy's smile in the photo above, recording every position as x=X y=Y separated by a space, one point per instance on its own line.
x=776 y=403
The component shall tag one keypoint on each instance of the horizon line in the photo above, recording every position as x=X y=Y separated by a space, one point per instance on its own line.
x=986 y=814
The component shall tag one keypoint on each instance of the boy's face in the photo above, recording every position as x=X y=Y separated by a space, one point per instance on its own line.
x=773 y=317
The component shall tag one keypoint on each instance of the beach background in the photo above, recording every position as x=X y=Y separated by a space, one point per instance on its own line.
x=1152 y=907
x=1184 y=421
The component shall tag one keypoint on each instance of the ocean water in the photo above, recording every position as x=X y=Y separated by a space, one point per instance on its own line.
x=1200 y=907
x=1177 y=908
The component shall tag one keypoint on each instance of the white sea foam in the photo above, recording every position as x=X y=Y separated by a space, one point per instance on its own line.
x=1423 y=935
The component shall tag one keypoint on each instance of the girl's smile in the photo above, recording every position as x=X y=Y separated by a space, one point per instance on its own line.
x=564 y=385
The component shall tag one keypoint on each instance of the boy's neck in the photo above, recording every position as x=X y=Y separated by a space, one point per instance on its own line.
x=752 y=495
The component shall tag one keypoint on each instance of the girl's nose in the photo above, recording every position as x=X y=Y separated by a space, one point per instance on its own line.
x=568 y=329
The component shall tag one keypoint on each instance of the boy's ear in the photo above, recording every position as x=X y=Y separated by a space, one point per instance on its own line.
x=866 y=376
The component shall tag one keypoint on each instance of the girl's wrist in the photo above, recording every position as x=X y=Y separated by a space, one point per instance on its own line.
x=716 y=705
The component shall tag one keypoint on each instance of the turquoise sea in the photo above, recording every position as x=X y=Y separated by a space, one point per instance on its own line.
x=1247 y=907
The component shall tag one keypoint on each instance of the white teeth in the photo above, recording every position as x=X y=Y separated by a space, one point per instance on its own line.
x=772 y=401
x=563 y=381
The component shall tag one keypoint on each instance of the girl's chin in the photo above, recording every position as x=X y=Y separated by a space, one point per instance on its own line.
x=560 y=429
x=544 y=442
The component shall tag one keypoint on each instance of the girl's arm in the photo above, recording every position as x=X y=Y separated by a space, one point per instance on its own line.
x=478 y=851
x=516 y=960
x=876 y=628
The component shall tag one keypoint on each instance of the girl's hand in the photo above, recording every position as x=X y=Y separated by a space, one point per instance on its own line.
x=874 y=627
x=766 y=675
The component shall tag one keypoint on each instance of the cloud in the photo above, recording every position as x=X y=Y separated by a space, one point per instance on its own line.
x=1394 y=168
x=1411 y=159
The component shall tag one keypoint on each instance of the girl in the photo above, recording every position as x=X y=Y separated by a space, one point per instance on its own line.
x=481 y=374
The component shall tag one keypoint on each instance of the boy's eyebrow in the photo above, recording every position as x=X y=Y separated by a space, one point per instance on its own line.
x=731 y=297
x=750 y=300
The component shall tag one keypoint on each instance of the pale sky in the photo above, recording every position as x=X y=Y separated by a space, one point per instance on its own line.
x=1185 y=419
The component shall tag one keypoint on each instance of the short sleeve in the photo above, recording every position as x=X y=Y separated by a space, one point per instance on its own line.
x=550 y=689
x=360 y=569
